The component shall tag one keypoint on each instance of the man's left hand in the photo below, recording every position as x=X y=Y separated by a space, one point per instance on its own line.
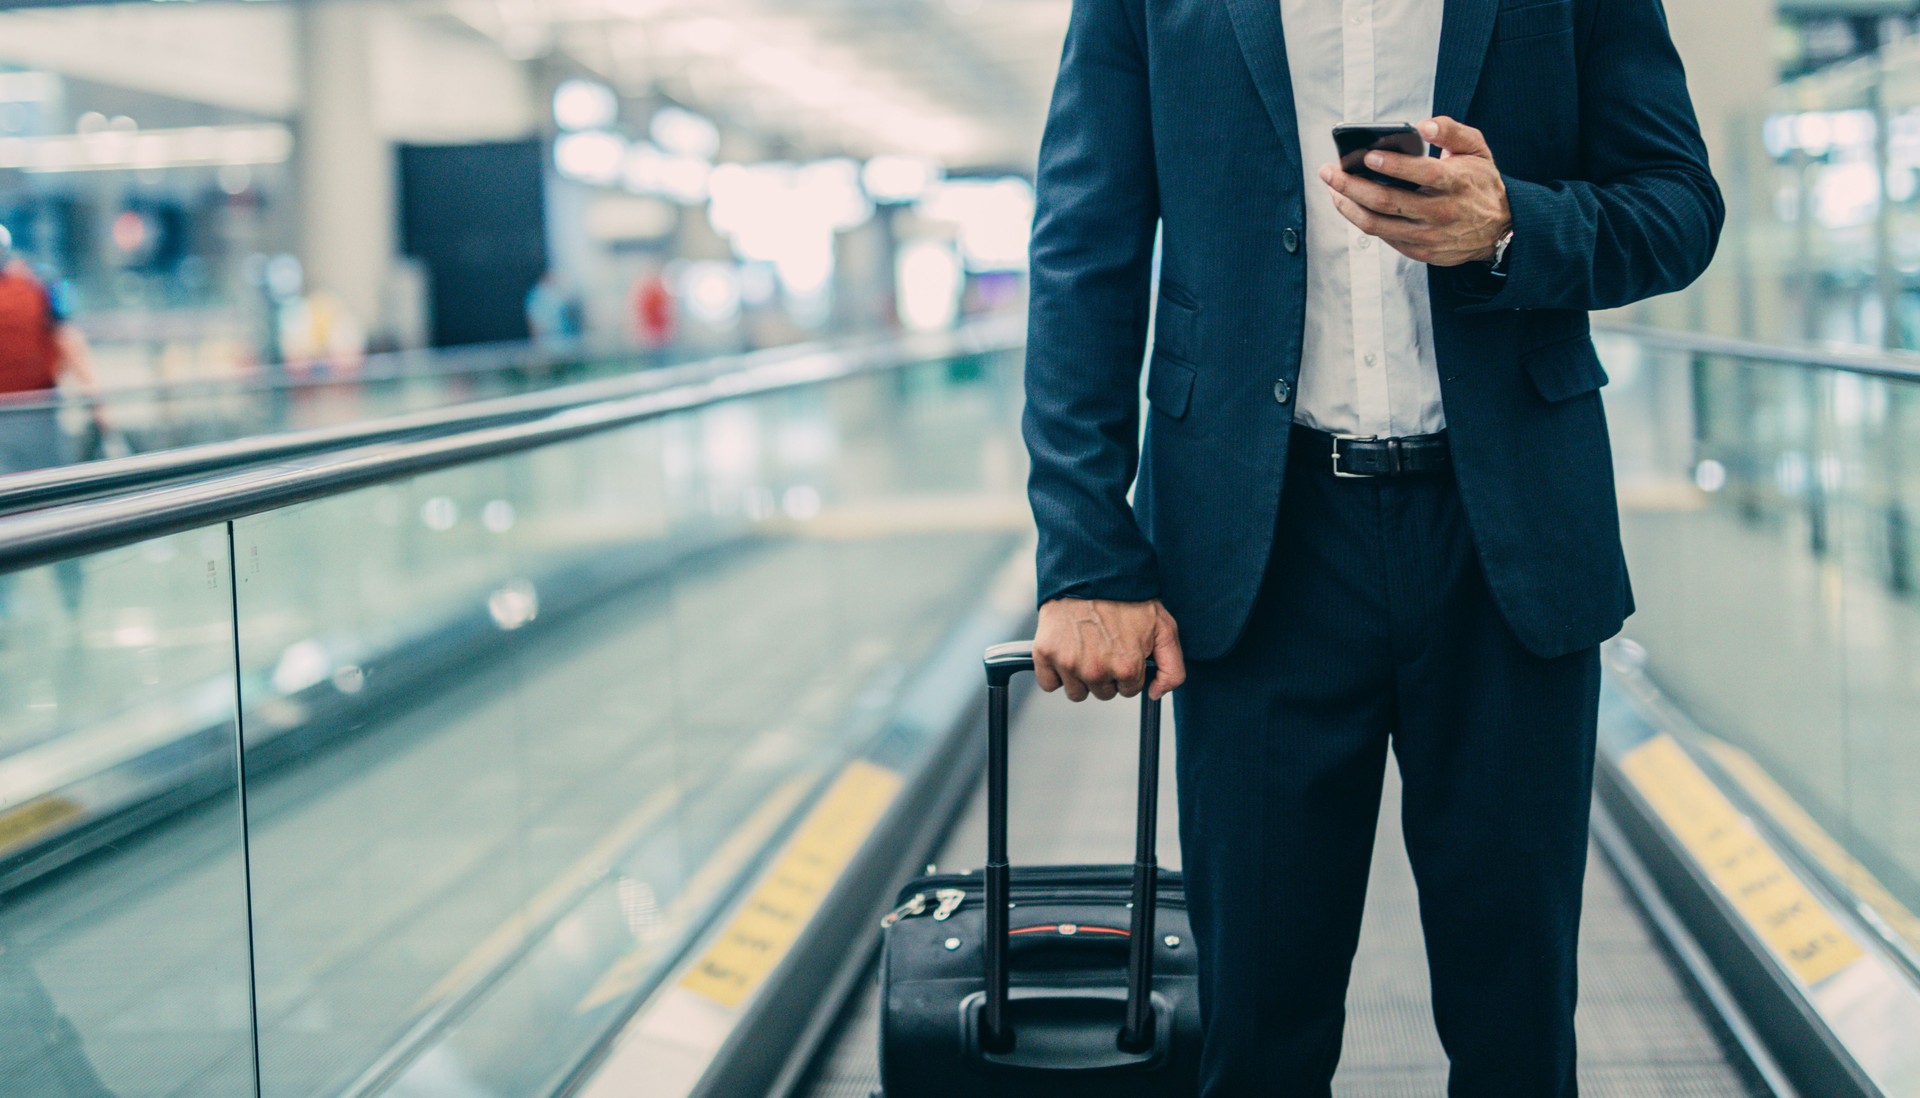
x=1457 y=216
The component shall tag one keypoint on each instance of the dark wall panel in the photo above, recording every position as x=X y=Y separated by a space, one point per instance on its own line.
x=473 y=216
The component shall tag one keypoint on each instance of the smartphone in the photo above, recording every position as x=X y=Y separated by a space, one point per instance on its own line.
x=1356 y=139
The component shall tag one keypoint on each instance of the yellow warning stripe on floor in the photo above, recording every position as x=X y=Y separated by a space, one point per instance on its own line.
x=801 y=874
x=1780 y=806
x=23 y=823
x=1740 y=862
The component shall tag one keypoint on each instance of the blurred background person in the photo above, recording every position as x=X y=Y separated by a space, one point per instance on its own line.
x=320 y=332
x=38 y=348
x=655 y=314
x=553 y=312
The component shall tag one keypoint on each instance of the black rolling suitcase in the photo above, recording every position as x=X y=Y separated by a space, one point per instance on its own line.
x=1035 y=982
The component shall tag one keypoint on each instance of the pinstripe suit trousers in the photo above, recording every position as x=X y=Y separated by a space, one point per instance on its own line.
x=1375 y=630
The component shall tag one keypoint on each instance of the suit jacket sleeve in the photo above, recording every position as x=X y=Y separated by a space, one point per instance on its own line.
x=1097 y=206
x=1646 y=216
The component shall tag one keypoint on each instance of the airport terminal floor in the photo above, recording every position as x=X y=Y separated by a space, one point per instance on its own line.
x=576 y=738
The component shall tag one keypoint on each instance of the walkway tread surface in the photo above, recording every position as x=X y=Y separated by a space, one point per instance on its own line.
x=1640 y=1035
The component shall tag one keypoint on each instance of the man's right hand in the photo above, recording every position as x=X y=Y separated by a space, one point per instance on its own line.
x=1100 y=647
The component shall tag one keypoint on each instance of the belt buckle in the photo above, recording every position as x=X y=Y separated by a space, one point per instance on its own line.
x=1337 y=440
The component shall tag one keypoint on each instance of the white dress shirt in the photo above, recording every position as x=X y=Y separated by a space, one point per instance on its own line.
x=1368 y=365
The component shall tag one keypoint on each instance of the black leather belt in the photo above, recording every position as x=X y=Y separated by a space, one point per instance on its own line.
x=1371 y=457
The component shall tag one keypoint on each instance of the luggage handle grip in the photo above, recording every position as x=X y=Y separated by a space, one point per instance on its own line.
x=1003 y=662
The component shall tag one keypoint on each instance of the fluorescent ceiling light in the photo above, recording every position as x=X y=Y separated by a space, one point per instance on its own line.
x=584 y=105
x=119 y=150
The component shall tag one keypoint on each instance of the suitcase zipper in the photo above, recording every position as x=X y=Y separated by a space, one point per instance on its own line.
x=947 y=901
x=916 y=904
x=950 y=900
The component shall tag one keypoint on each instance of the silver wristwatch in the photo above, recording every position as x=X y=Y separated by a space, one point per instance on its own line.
x=1499 y=266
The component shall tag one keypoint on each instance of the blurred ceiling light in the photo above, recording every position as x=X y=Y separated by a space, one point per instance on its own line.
x=899 y=178
x=993 y=219
x=648 y=170
x=678 y=130
x=102 y=150
x=591 y=156
x=928 y=284
x=786 y=215
x=90 y=122
x=584 y=105
x=712 y=292
x=832 y=187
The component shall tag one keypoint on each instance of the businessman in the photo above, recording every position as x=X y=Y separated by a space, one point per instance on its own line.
x=1374 y=508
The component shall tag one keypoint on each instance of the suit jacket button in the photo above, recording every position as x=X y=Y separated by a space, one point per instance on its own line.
x=1291 y=238
x=1282 y=391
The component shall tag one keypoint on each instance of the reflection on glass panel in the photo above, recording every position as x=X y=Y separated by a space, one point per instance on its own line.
x=1739 y=603
x=123 y=971
x=821 y=543
x=1766 y=512
x=383 y=767
x=1878 y=484
x=514 y=731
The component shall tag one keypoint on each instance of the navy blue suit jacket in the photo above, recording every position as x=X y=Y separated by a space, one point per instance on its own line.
x=1178 y=115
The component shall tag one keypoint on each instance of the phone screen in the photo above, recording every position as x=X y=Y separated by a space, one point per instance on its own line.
x=1355 y=139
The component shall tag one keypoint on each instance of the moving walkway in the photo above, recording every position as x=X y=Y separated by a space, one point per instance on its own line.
x=577 y=752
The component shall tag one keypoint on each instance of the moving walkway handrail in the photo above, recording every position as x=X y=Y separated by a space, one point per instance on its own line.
x=63 y=484
x=1894 y=365
x=379 y=367
x=75 y=529
x=47 y=487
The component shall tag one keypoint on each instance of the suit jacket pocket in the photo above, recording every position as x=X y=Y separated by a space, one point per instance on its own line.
x=1565 y=369
x=1174 y=321
x=1169 y=385
x=1533 y=20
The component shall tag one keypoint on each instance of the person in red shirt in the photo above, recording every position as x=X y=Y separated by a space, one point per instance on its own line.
x=37 y=349
x=655 y=316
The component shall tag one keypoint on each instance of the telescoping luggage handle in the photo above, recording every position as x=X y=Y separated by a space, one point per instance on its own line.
x=1003 y=662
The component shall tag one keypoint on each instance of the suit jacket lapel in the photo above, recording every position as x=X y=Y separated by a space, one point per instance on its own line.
x=1256 y=24
x=1465 y=28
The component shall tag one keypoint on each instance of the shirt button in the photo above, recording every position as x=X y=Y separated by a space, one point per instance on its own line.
x=1291 y=239
x=1365 y=243
x=1282 y=391
x=1372 y=358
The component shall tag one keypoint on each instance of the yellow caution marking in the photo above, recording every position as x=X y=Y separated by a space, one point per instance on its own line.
x=1824 y=848
x=1740 y=862
x=778 y=908
x=24 y=823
